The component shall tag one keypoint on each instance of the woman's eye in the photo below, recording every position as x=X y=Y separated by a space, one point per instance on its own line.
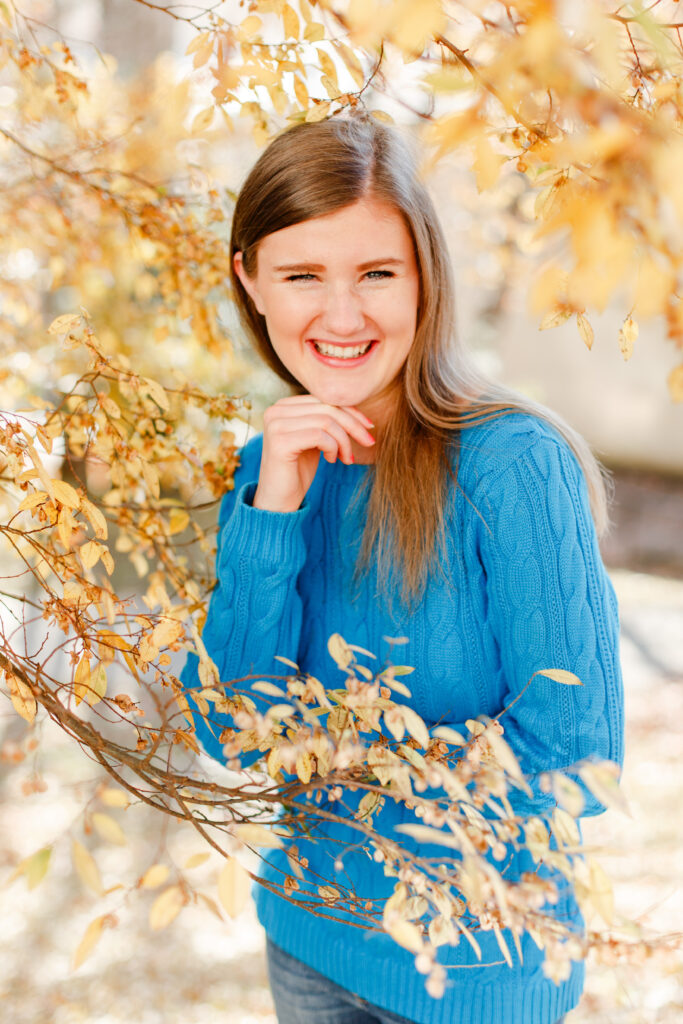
x=374 y=275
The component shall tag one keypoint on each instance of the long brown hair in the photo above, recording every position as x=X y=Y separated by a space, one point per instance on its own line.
x=314 y=169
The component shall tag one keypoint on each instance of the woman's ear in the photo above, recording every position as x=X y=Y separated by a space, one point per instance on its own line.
x=248 y=283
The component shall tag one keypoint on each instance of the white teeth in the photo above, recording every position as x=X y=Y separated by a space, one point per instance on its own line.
x=342 y=352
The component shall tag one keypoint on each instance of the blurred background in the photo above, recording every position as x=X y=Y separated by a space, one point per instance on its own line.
x=203 y=969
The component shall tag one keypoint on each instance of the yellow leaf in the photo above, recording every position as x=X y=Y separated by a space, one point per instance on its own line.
x=90 y=553
x=177 y=520
x=233 y=887
x=339 y=651
x=554 y=318
x=487 y=163
x=601 y=894
x=166 y=632
x=560 y=675
x=290 y=20
x=64 y=323
x=415 y=726
x=33 y=868
x=65 y=493
x=86 y=868
x=152 y=387
x=257 y=835
x=304 y=767
x=109 y=829
x=107 y=560
x=314 y=32
x=197 y=43
x=89 y=941
x=196 y=860
x=502 y=944
x=568 y=794
x=675 y=382
x=602 y=780
x=166 y=907
x=151 y=477
x=249 y=27
x=155 y=876
x=114 y=797
x=585 y=330
x=352 y=62
x=95 y=517
x=91 y=687
x=328 y=892
x=405 y=933
x=113 y=640
x=202 y=120
x=32 y=499
x=328 y=67
x=22 y=698
x=627 y=336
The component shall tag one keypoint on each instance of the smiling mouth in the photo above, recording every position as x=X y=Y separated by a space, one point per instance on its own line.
x=342 y=351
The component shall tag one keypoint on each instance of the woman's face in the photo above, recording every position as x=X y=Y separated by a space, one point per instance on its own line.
x=339 y=294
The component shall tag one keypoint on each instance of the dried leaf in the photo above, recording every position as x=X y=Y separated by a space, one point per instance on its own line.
x=585 y=330
x=603 y=781
x=627 y=336
x=560 y=675
x=66 y=494
x=22 y=698
x=95 y=517
x=233 y=887
x=601 y=893
x=89 y=941
x=675 y=383
x=33 y=868
x=405 y=933
x=86 y=868
x=304 y=767
x=64 y=323
x=166 y=907
x=109 y=829
x=114 y=797
x=340 y=651
x=32 y=499
x=202 y=120
x=90 y=553
x=554 y=318
x=257 y=835
x=166 y=632
x=196 y=860
x=290 y=20
x=155 y=876
x=415 y=726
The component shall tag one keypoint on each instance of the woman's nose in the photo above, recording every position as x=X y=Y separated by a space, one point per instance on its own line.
x=343 y=312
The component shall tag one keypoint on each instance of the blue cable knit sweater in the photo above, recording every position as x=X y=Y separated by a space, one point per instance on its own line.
x=527 y=591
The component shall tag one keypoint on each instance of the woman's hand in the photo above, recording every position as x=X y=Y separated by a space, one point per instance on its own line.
x=295 y=431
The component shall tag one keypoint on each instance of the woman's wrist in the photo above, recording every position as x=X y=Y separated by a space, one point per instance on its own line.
x=269 y=503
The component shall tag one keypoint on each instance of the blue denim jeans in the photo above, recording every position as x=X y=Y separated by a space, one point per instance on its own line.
x=303 y=996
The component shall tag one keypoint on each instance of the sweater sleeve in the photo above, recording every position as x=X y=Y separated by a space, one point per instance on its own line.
x=551 y=605
x=255 y=610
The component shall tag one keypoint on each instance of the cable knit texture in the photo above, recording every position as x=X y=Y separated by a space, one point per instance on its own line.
x=524 y=589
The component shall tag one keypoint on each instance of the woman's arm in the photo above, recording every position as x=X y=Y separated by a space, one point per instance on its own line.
x=550 y=605
x=255 y=611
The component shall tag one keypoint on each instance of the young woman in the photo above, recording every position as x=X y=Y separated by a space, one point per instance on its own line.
x=397 y=492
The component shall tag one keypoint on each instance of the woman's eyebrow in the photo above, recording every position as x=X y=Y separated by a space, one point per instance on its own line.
x=292 y=268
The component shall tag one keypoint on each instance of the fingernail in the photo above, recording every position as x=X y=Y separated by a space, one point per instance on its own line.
x=352 y=459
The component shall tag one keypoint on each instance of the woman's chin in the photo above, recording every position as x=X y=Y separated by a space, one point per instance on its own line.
x=332 y=394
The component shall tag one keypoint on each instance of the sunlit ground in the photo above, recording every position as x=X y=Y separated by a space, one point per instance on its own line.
x=201 y=970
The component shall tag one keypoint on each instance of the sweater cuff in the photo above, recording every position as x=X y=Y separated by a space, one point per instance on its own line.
x=270 y=538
